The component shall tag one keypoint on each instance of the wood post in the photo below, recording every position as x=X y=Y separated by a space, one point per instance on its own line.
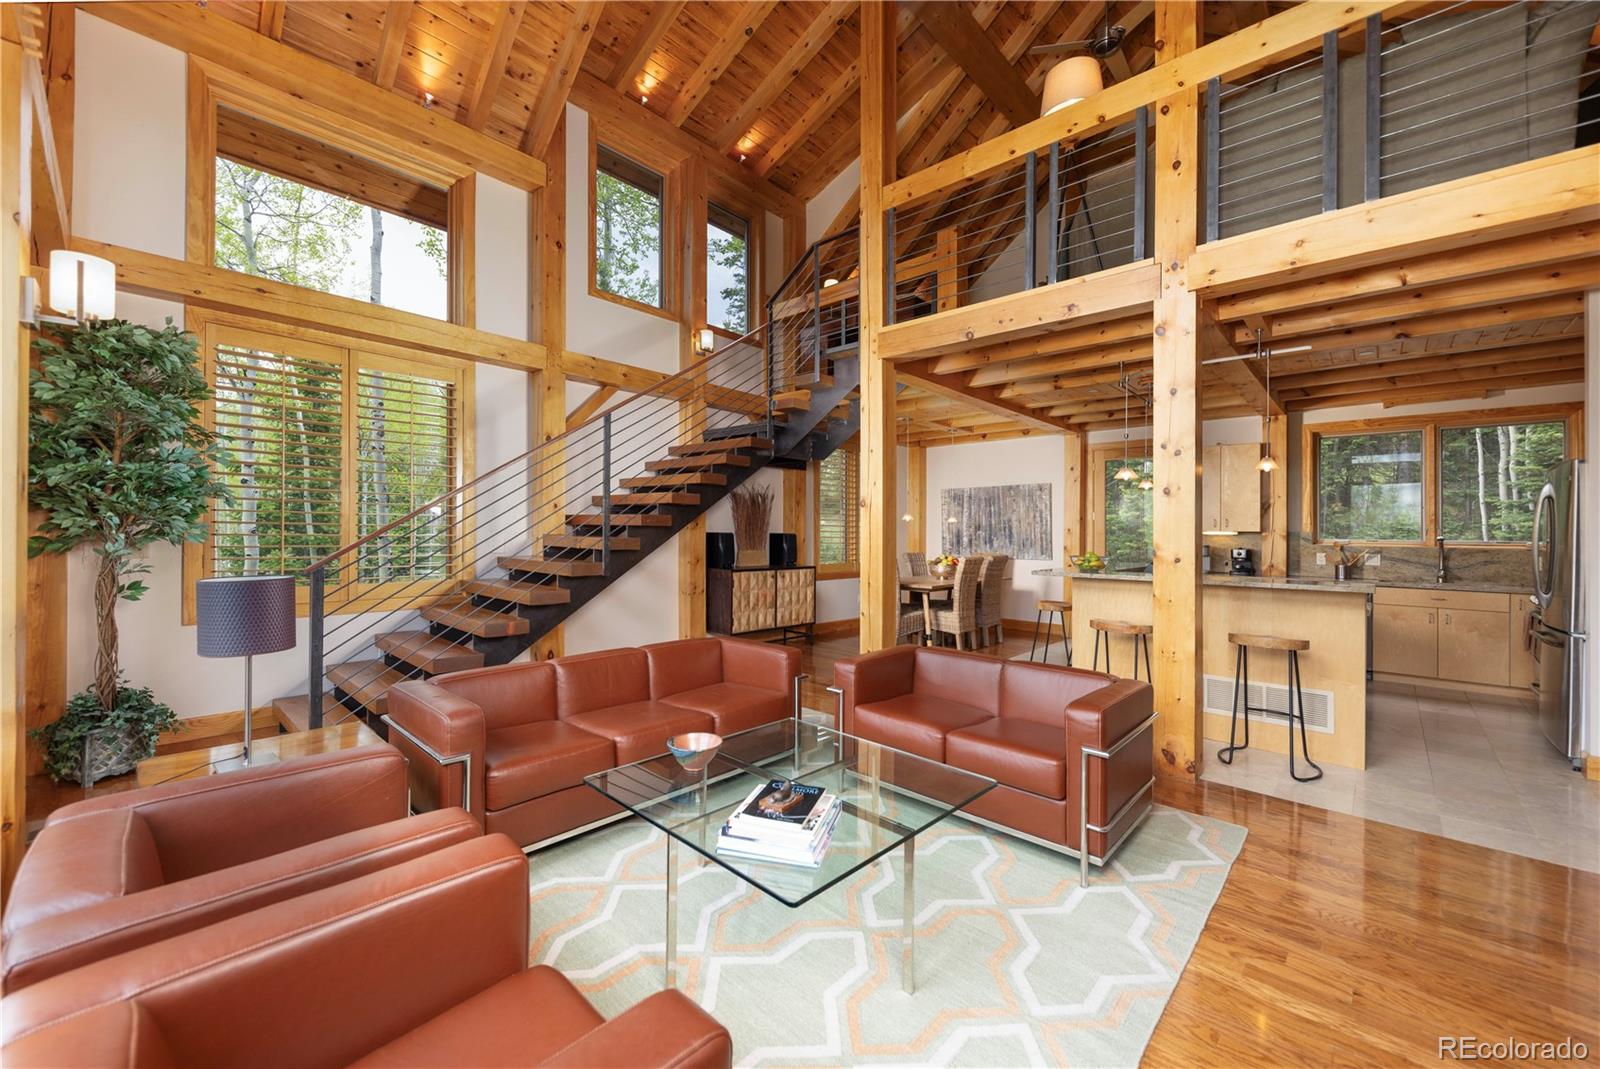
x=549 y=321
x=794 y=513
x=692 y=411
x=917 y=498
x=1176 y=582
x=1074 y=481
x=879 y=585
x=1275 y=529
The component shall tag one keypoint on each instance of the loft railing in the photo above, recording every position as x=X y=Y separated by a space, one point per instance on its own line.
x=510 y=513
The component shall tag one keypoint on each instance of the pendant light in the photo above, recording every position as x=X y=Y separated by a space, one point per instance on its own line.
x=1267 y=463
x=1070 y=81
x=1124 y=474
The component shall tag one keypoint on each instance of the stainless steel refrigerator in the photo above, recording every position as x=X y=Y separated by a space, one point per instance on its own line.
x=1558 y=613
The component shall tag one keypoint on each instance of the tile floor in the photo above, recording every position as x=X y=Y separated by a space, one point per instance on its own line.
x=1471 y=767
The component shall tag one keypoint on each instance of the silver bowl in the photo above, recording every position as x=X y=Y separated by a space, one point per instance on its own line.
x=695 y=750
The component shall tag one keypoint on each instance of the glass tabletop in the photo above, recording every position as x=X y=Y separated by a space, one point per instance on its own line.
x=887 y=797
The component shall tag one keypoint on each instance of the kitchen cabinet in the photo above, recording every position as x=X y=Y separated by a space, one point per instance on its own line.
x=1522 y=667
x=1454 y=636
x=1473 y=646
x=1405 y=640
x=1230 y=489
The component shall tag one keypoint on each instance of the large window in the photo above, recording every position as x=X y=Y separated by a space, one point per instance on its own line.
x=837 y=512
x=628 y=225
x=1490 y=476
x=727 y=270
x=1369 y=487
x=1129 y=515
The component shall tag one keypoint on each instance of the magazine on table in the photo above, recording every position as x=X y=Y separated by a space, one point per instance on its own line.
x=781 y=821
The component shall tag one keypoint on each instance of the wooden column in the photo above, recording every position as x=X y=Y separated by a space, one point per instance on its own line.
x=550 y=327
x=1176 y=582
x=879 y=587
x=794 y=513
x=1275 y=503
x=917 y=498
x=692 y=242
x=1074 y=481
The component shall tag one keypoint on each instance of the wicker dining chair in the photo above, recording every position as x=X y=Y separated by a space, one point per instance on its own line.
x=914 y=564
x=961 y=618
x=912 y=624
x=991 y=601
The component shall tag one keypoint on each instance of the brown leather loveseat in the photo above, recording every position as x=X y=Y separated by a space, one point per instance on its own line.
x=513 y=743
x=1027 y=726
x=420 y=964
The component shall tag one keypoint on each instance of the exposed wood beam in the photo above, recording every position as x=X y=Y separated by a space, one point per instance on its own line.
x=783 y=73
x=1485 y=318
x=564 y=68
x=1077 y=338
x=921 y=374
x=822 y=108
x=392 y=45
x=657 y=22
x=1288 y=385
x=1459 y=370
x=723 y=52
x=1420 y=394
x=486 y=86
x=53 y=226
x=580 y=367
x=269 y=20
x=965 y=41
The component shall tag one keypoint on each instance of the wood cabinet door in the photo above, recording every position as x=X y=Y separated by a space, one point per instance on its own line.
x=796 y=597
x=754 y=601
x=1211 y=490
x=1405 y=640
x=1472 y=646
x=1520 y=643
x=1239 y=501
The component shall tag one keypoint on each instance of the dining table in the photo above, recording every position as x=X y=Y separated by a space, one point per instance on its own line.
x=927 y=586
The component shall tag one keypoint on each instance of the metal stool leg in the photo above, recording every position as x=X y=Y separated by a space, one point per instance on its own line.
x=1225 y=755
x=1296 y=691
x=1034 y=648
x=1134 y=653
x=1049 y=622
x=1148 y=678
x=1066 y=641
x=1095 y=663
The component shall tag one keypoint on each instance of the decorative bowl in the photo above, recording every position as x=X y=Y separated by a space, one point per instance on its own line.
x=1091 y=567
x=695 y=750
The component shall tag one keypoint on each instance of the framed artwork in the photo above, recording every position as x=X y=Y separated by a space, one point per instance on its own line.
x=1014 y=520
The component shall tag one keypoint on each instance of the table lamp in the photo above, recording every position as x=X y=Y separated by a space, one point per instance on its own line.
x=241 y=616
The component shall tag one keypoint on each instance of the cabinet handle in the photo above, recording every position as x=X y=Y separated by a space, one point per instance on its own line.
x=1447 y=618
x=1430 y=617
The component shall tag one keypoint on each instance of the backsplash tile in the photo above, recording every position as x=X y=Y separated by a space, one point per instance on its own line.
x=1508 y=566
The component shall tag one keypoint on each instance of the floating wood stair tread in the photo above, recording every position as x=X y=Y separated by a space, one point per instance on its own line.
x=696 y=478
x=791 y=400
x=720 y=445
x=294 y=712
x=625 y=543
x=620 y=519
x=663 y=497
x=432 y=653
x=519 y=593
x=546 y=566
x=705 y=460
x=460 y=613
x=368 y=682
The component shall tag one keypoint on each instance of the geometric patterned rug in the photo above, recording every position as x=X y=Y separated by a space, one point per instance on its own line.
x=1015 y=964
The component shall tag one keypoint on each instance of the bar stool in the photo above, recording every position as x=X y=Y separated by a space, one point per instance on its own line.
x=1054 y=608
x=1241 y=695
x=1140 y=634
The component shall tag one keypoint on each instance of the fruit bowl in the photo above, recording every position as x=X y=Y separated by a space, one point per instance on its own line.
x=1088 y=563
x=695 y=750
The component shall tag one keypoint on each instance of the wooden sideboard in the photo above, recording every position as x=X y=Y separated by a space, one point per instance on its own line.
x=743 y=601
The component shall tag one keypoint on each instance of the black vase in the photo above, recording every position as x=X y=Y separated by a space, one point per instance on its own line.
x=783 y=550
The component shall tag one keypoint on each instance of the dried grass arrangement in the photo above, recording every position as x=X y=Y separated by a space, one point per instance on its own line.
x=752 y=508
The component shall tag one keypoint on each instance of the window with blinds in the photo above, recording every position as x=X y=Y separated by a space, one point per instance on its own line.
x=837 y=514
x=405 y=452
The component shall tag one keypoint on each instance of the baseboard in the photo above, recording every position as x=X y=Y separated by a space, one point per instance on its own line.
x=1450 y=684
x=1591 y=768
x=838 y=628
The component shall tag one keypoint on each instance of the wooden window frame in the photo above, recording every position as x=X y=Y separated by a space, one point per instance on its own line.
x=753 y=303
x=849 y=569
x=1429 y=425
x=208 y=326
x=1095 y=460
x=619 y=140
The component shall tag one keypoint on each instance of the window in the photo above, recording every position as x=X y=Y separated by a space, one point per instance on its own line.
x=1369 y=487
x=1490 y=477
x=1129 y=515
x=727 y=270
x=628 y=224
x=327 y=445
x=838 y=512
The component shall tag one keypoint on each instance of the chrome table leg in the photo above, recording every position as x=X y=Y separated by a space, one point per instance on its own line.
x=672 y=912
x=908 y=926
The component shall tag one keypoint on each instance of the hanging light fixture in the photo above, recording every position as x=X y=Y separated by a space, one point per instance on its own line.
x=1070 y=81
x=1267 y=463
x=1124 y=474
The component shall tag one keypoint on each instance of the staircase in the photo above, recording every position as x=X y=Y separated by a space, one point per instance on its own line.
x=480 y=574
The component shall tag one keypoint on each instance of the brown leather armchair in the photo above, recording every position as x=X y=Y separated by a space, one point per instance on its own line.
x=1070 y=750
x=513 y=743
x=113 y=873
x=424 y=963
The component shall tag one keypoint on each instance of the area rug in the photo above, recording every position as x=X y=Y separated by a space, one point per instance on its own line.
x=1015 y=964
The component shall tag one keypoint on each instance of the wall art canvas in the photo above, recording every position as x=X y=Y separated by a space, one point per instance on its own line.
x=1014 y=520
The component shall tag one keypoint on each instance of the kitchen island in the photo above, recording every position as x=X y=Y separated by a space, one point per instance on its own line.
x=1332 y=615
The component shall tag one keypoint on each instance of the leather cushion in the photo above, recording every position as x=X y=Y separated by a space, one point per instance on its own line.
x=76 y=863
x=915 y=723
x=1041 y=692
x=734 y=706
x=508 y=694
x=522 y=1020
x=601 y=680
x=535 y=759
x=640 y=729
x=689 y=664
x=1024 y=754
x=966 y=678
x=548 y=815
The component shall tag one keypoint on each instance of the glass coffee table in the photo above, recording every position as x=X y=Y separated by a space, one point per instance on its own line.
x=889 y=796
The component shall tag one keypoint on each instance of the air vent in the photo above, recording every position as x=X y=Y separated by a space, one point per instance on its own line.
x=1275 y=696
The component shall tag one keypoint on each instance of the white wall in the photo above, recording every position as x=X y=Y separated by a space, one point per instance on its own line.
x=821 y=208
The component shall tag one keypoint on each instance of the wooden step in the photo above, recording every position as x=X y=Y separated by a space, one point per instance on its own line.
x=694 y=478
x=705 y=460
x=368 y=682
x=791 y=400
x=463 y=615
x=434 y=654
x=294 y=711
x=518 y=593
x=619 y=543
x=620 y=519
x=720 y=445
x=619 y=501
x=545 y=566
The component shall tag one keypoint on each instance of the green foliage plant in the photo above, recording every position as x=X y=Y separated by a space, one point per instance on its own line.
x=136 y=713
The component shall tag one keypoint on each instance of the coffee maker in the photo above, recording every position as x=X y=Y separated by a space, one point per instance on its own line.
x=1241 y=562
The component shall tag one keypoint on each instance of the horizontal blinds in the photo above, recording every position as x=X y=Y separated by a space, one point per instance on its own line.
x=405 y=459
x=837 y=514
x=281 y=419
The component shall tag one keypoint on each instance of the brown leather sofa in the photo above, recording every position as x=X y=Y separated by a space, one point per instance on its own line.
x=512 y=743
x=1027 y=726
x=420 y=964
x=113 y=873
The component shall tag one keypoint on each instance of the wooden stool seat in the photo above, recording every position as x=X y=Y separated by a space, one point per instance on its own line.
x=1269 y=642
x=1054 y=605
x=1120 y=627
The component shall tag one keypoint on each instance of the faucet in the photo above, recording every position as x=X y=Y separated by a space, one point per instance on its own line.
x=1438 y=576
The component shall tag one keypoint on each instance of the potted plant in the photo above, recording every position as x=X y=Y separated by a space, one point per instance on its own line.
x=117 y=460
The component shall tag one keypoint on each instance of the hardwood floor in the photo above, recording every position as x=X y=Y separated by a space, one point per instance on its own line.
x=1343 y=941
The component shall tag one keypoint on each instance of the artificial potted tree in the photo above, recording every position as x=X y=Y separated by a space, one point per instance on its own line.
x=117 y=460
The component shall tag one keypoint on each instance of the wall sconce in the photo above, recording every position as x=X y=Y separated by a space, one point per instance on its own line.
x=906 y=518
x=83 y=288
x=705 y=341
x=829 y=282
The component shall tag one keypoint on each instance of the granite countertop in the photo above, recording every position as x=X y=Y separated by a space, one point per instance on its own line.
x=1302 y=582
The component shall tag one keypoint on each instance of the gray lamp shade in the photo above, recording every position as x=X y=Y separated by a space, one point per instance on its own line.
x=240 y=616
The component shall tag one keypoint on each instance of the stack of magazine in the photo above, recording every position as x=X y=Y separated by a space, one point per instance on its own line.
x=782 y=821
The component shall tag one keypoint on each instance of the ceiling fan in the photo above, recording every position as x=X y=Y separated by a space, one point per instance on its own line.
x=1102 y=45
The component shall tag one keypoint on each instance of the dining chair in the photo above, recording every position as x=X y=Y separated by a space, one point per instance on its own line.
x=912 y=624
x=991 y=600
x=961 y=618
